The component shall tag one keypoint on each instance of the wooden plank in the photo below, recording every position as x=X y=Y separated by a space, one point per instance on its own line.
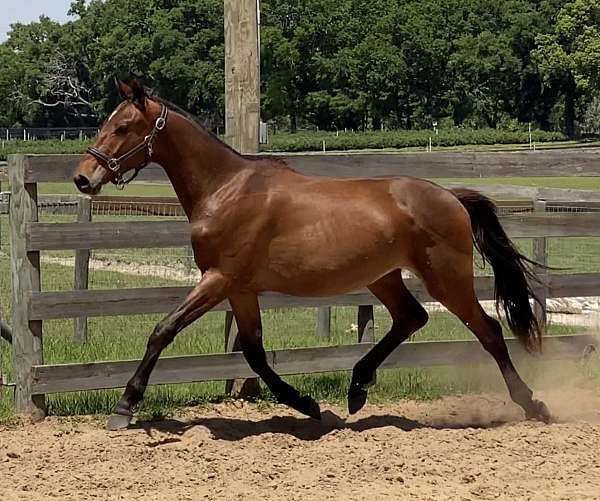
x=169 y=370
x=547 y=163
x=242 y=75
x=107 y=235
x=532 y=225
x=156 y=234
x=510 y=191
x=110 y=302
x=60 y=168
x=82 y=268
x=25 y=272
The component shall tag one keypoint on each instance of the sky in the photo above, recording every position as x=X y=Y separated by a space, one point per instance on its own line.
x=25 y=11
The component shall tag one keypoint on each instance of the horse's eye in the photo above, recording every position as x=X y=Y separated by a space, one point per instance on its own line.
x=121 y=128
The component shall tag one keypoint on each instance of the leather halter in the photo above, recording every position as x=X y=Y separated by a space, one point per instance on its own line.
x=114 y=164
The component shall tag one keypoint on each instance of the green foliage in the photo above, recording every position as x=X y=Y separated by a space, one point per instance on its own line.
x=313 y=141
x=327 y=63
x=568 y=58
x=47 y=147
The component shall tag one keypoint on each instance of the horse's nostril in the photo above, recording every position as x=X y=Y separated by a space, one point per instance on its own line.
x=81 y=182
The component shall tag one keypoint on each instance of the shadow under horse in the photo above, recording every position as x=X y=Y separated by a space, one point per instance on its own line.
x=257 y=225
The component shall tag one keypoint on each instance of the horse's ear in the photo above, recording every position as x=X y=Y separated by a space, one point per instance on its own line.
x=138 y=93
x=134 y=92
x=125 y=91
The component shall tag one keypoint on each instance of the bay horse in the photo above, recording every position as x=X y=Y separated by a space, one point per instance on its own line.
x=257 y=225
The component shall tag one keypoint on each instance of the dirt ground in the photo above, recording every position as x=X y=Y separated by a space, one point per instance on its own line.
x=475 y=447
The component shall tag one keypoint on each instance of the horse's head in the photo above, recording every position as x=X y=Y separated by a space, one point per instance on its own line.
x=125 y=141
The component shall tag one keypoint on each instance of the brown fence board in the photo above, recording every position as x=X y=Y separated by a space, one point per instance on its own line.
x=169 y=370
x=109 y=302
x=531 y=225
x=108 y=235
x=548 y=163
x=155 y=234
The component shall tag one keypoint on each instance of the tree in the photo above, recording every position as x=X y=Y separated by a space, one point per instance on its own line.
x=568 y=58
x=486 y=75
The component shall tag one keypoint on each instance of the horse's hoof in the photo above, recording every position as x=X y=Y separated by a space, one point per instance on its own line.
x=118 y=422
x=307 y=405
x=540 y=412
x=356 y=400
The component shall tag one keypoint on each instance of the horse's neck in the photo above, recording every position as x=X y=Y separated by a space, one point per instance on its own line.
x=197 y=163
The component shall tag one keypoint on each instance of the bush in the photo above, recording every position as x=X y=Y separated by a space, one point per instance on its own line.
x=46 y=146
x=313 y=141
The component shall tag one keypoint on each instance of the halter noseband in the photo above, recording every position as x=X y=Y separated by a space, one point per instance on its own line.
x=114 y=164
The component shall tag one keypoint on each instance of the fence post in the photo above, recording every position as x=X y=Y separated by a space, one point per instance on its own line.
x=324 y=322
x=237 y=388
x=82 y=267
x=25 y=271
x=540 y=255
x=366 y=324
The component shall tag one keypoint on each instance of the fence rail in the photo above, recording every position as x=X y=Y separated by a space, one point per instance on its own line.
x=32 y=307
x=190 y=369
x=110 y=302
x=579 y=162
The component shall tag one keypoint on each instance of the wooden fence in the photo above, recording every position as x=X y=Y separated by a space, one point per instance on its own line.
x=31 y=307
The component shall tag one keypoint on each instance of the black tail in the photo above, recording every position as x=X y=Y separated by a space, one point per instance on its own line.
x=511 y=268
x=5 y=332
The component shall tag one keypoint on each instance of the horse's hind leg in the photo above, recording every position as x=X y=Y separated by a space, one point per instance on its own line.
x=454 y=288
x=247 y=315
x=408 y=316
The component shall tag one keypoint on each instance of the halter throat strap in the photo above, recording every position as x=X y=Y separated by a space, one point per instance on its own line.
x=114 y=164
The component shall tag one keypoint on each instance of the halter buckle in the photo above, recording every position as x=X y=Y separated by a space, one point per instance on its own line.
x=114 y=165
x=160 y=123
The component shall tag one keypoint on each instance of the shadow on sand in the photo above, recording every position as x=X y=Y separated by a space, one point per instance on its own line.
x=233 y=429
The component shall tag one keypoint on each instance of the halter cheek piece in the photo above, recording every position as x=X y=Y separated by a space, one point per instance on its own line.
x=114 y=164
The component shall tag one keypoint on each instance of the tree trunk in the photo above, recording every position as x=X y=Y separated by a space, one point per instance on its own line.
x=570 y=97
x=376 y=122
x=293 y=123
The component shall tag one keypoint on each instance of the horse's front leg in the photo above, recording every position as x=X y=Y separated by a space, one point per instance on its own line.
x=247 y=315
x=210 y=291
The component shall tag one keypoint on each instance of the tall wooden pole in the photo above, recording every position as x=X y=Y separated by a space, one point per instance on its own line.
x=242 y=117
x=242 y=75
